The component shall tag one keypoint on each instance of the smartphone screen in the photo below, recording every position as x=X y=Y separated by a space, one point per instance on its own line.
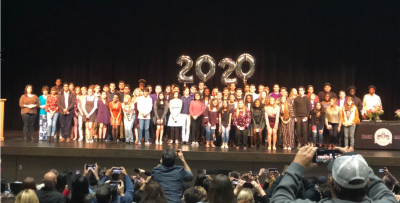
x=325 y=155
x=90 y=166
x=116 y=170
x=272 y=170
x=78 y=172
x=381 y=170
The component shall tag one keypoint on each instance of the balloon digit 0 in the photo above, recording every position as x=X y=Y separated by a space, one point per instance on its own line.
x=208 y=59
x=239 y=72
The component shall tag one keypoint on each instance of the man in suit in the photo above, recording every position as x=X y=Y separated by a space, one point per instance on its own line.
x=66 y=103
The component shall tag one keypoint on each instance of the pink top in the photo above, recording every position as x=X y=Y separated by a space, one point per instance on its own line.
x=196 y=108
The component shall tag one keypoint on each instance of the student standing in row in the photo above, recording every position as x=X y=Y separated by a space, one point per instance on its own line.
x=258 y=124
x=196 y=110
x=103 y=116
x=29 y=103
x=287 y=117
x=174 y=122
x=89 y=109
x=144 y=109
x=333 y=122
x=115 y=109
x=301 y=109
x=349 y=119
x=185 y=115
x=272 y=113
x=52 y=113
x=66 y=103
x=210 y=121
x=43 y=115
x=225 y=117
x=241 y=119
x=317 y=123
x=160 y=113
x=81 y=114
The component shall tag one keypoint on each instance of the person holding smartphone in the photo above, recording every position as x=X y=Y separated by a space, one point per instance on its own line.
x=124 y=195
x=160 y=112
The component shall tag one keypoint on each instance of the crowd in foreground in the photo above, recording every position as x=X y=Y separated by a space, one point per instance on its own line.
x=352 y=180
x=231 y=117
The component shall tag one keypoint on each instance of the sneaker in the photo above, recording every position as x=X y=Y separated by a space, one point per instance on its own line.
x=146 y=143
x=289 y=148
x=176 y=142
x=94 y=140
x=118 y=140
x=285 y=148
x=80 y=139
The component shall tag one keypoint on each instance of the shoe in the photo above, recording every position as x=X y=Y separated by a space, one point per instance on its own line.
x=32 y=138
x=351 y=149
x=62 y=140
x=212 y=144
x=74 y=139
x=118 y=140
x=68 y=140
x=237 y=147
x=285 y=148
x=48 y=138
x=274 y=148
x=95 y=139
x=136 y=143
x=156 y=142
x=244 y=148
x=289 y=148
x=193 y=143
x=171 y=141
x=269 y=147
x=80 y=140
x=176 y=142
x=207 y=145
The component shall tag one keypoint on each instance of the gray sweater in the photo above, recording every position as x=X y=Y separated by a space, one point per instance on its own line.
x=290 y=185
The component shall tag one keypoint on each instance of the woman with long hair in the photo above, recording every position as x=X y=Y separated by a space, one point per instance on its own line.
x=167 y=93
x=272 y=121
x=115 y=109
x=175 y=107
x=241 y=117
x=80 y=191
x=225 y=118
x=326 y=102
x=52 y=113
x=89 y=109
x=264 y=98
x=333 y=122
x=29 y=104
x=136 y=94
x=128 y=108
x=221 y=190
x=317 y=123
x=207 y=96
x=43 y=114
x=248 y=102
x=210 y=121
x=287 y=118
x=293 y=94
x=77 y=92
x=349 y=119
x=258 y=124
x=160 y=112
x=103 y=115
x=27 y=196
x=196 y=110
x=153 y=193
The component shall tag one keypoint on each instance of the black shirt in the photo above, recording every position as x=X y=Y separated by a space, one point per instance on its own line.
x=321 y=95
x=301 y=106
x=50 y=195
x=224 y=117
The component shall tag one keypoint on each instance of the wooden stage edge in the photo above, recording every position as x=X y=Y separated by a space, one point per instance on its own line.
x=16 y=146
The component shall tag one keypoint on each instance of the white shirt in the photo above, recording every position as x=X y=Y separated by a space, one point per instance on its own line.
x=370 y=101
x=255 y=96
x=66 y=95
x=341 y=103
x=144 y=106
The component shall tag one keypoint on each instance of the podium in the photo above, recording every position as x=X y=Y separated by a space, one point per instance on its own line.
x=2 y=120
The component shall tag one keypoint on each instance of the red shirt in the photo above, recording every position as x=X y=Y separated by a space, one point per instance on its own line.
x=51 y=103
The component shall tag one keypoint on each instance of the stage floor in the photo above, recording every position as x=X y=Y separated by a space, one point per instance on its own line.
x=15 y=145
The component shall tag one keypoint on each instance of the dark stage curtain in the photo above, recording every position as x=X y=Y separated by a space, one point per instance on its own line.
x=294 y=42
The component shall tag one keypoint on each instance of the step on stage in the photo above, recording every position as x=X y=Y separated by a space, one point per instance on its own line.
x=14 y=145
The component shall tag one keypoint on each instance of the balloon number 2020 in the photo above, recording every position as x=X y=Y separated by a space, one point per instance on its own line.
x=225 y=80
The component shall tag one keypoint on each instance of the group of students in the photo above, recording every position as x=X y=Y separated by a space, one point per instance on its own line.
x=231 y=117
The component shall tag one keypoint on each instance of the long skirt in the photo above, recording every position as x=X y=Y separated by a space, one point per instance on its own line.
x=288 y=134
x=43 y=127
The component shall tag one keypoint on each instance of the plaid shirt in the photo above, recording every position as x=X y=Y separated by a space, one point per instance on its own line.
x=186 y=104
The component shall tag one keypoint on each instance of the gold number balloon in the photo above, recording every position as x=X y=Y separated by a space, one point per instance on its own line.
x=188 y=65
x=208 y=59
x=239 y=72
x=225 y=80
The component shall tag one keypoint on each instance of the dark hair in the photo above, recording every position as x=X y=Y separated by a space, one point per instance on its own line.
x=80 y=188
x=308 y=87
x=206 y=184
x=121 y=81
x=149 y=86
x=253 y=85
x=61 y=182
x=329 y=96
x=225 y=88
x=193 y=86
x=29 y=183
x=321 y=110
x=105 y=85
x=26 y=87
x=153 y=193
x=235 y=174
x=71 y=83
x=158 y=101
x=192 y=195
x=184 y=89
x=301 y=87
x=199 y=180
x=128 y=86
x=111 y=83
x=195 y=94
x=103 y=194
x=4 y=185
x=355 y=195
x=237 y=89
x=220 y=190
x=168 y=158
x=146 y=89
x=201 y=82
x=372 y=86
x=283 y=88
x=65 y=83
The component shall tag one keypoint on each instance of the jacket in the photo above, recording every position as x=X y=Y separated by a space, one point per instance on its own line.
x=61 y=102
x=321 y=120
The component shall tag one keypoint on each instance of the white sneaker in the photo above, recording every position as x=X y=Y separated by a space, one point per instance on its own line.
x=80 y=140
x=289 y=148
x=285 y=148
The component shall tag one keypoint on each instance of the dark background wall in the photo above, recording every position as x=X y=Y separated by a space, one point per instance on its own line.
x=294 y=42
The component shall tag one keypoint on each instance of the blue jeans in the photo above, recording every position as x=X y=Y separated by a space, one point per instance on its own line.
x=209 y=132
x=319 y=134
x=144 y=123
x=128 y=125
x=349 y=132
x=51 y=124
x=225 y=135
